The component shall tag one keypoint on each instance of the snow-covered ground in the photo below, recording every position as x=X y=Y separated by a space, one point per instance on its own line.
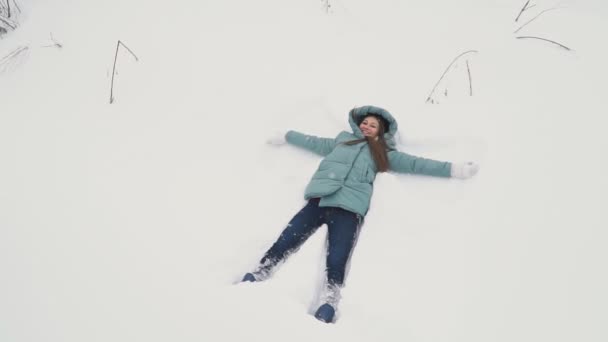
x=132 y=221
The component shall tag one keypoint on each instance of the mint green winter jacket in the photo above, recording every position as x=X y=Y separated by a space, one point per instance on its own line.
x=346 y=175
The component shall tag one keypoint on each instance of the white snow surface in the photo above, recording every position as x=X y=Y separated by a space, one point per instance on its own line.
x=134 y=221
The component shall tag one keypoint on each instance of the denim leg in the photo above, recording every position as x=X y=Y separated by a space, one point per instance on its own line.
x=343 y=230
x=299 y=229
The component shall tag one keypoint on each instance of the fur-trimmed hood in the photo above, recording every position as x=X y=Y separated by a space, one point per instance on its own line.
x=357 y=115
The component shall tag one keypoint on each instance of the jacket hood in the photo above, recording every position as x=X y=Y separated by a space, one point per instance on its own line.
x=357 y=115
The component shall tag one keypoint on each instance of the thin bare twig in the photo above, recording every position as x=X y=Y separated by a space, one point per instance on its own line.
x=57 y=45
x=522 y=10
x=531 y=20
x=13 y=54
x=118 y=44
x=8 y=23
x=8 y=7
x=544 y=39
x=54 y=41
x=470 y=80
x=126 y=47
x=429 y=98
x=4 y=62
x=326 y=5
x=16 y=5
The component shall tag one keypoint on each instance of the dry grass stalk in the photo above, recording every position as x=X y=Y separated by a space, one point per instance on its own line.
x=430 y=96
x=118 y=45
x=546 y=40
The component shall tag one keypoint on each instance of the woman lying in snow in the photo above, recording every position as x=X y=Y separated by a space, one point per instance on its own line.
x=340 y=191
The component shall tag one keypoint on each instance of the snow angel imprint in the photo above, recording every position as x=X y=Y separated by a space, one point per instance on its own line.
x=340 y=191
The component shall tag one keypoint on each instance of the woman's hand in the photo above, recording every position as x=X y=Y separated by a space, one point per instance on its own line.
x=464 y=170
x=277 y=139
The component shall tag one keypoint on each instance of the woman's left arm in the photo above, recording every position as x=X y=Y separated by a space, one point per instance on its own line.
x=406 y=163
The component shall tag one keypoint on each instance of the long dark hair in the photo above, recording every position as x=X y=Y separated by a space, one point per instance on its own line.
x=377 y=147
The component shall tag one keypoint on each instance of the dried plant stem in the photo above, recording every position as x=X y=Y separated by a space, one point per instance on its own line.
x=326 y=5
x=16 y=6
x=429 y=98
x=14 y=53
x=535 y=17
x=8 y=23
x=544 y=39
x=8 y=8
x=56 y=44
x=126 y=47
x=118 y=44
x=524 y=9
x=470 y=80
x=4 y=62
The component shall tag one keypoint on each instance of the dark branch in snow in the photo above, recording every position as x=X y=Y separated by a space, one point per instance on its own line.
x=430 y=97
x=126 y=47
x=523 y=10
x=8 y=23
x=5 y=9
x=57 y=45
x=531 y=20
x=16 y=6
x=118 y=44
x=546 y=40
x=326 y=5
x=12 y=56
x=470 y=80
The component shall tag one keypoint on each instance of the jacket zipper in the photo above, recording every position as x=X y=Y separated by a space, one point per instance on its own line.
x=353 y=163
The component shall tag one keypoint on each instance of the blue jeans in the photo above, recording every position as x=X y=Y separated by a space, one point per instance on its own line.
x=343 y=229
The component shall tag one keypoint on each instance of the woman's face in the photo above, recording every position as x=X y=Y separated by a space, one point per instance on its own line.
x=370 y=127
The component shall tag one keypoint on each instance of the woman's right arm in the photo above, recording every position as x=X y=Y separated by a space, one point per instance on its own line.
x=318 y=145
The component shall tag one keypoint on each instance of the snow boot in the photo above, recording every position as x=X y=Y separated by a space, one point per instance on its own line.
x=330 y=297
x=325 y=313
x=249 y=277
x=262 y=272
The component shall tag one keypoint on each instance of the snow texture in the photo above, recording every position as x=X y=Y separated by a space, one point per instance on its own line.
x=132 y=221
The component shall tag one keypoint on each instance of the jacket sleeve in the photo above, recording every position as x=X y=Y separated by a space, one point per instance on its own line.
x=321 y=146
x=406 y=163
